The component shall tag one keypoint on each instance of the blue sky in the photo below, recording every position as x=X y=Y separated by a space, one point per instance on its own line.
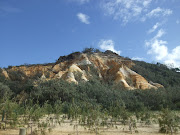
x=39 y=31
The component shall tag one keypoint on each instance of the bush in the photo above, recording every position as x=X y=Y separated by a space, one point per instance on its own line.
x=88 y=50
x=5 y=91
x=168 y=122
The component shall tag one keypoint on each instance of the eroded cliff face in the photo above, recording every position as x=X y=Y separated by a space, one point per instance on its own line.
x=82 y=66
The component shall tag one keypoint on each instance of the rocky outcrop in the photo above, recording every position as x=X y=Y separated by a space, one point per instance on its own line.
x=75 y=72
x=78 y=67
x=156 y=84
x=4 y=72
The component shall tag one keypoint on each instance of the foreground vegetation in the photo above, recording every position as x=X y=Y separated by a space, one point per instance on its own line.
x=93 y=105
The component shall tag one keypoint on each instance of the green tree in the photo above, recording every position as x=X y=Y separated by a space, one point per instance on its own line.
x=168 y=122
x=5 y=92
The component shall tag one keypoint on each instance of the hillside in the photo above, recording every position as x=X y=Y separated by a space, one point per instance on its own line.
x=95 y=87
x=94 y=77
x=82 y=67
x=158 y=73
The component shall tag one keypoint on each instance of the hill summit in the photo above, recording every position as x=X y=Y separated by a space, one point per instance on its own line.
x=83 y=66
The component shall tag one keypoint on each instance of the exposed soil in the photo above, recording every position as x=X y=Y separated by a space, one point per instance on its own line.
x=68 y=129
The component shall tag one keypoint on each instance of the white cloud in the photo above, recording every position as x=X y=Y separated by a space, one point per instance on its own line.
x=154 y=27
x=146 y=2
x=83 y=18
x=133 y=10
x=137 y=58
x=160 y=33
x=158 y=48
x=159 y=12
x=125 y=10
x=174 y=57
x=81 y=1
x=108 y=45
x=177 y=22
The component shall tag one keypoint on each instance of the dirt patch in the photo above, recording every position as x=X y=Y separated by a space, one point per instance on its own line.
x=68 y=129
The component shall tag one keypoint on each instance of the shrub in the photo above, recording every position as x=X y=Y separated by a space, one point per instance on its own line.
x=168 y=122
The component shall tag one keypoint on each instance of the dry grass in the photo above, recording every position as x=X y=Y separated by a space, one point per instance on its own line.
x=67 y=129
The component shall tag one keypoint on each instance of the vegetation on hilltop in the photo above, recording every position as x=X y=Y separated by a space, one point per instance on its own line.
x=159 y=73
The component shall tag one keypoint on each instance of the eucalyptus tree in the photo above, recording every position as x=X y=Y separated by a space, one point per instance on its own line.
x=169 y=122
x=74 y=114
x=94 y=119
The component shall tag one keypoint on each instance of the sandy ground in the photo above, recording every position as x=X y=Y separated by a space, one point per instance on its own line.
x=67 y=129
